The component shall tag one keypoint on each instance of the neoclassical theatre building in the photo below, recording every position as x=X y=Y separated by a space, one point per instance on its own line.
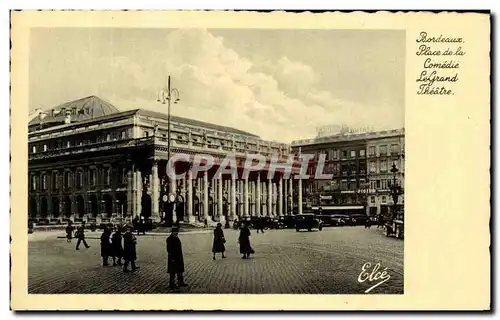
x=89 y=161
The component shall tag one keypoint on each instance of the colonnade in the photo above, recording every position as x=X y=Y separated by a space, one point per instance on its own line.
x=218 y=198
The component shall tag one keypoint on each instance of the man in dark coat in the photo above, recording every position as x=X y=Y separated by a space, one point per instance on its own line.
x=260 y=224
x=69 y=231
x=175 y=259
x=105 y=246
x=117 y=248
x=80 y=235
x=244 y=240
x=129 y=251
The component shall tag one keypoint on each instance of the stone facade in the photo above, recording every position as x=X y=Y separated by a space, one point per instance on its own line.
x=97 y=164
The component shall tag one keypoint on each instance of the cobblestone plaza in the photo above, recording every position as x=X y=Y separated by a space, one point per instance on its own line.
x=326 y=262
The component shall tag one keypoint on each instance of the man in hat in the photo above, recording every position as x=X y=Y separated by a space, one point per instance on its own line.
x=175 y=259
x=80 y=234
x=129 y=252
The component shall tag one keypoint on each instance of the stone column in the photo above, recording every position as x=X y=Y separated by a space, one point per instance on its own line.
x=275 y=199
x=189 y=181
x=280 y=196
x=233 y=198
x=257 y=197
x=139 y=193
x=264 y=199
x=219 y=201
x=290 y=192
x=205 y=195
x=245 y=198
x=300 y=196
x=269 y=198
x=155 y=196
x=130 y=192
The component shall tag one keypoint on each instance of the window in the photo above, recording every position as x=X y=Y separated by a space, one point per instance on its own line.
x=383 y=166
x=371 y=151
x=107 y=176
x=384 y=184
x=124 y=134
x=344 y=185
x=34 y=182
x=353 y=153
x=44 y=147
x=394 y=149
x=92 y=177
x=34 y=149
x=362 y=152
x=68 y=144
x=79 y=179
x=146 y=134
x=44 y=182
x=55 y=181
x=373 y=184
x=378 y=184
x=383 y=150
x=124 y=176
x=384 y=199
x=108 y=137
x=335 y=154
x=373 y=166
x=66 y=179
x=344 y=154
x=372 y=199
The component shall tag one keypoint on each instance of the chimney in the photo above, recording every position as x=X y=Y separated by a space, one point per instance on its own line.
x=42 y=115
x=67 y=118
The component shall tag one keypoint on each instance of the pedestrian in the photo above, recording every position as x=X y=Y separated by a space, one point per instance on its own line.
x=116 y=246
x=260 y=224
x=105 y=246
x=69 y=231
x=175 y=260
x=129 y=250
x=244 y=240
x=368 y=223
x=80 y=235
x=219 y=240
x=205 y=223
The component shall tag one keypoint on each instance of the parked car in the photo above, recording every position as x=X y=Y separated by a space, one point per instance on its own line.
x=307 y=221
x=287 y=222
x=358 y=219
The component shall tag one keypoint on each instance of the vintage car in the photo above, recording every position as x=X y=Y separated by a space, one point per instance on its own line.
x=307 y=221
x=287 y=222
x=358 y=219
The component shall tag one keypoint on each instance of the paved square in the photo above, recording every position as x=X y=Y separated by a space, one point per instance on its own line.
x=327 y=262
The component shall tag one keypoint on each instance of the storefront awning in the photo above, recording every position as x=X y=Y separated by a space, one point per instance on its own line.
x=338 y=208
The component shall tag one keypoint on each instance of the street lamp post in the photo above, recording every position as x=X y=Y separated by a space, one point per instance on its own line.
x=165 y=96
x=395 y=189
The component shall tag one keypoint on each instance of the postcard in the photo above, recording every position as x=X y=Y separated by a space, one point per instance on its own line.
x=210 y=160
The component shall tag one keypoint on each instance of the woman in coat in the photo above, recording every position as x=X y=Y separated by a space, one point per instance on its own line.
x=117 y=248
x=129 y=250
x=219 y=240
x=105 y=246
x=244 y=240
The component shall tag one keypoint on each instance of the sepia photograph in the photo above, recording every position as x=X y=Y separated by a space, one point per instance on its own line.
x=216 y=161
x=250 y=160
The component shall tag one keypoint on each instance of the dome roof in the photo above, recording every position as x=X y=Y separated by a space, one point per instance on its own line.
x=82 y=109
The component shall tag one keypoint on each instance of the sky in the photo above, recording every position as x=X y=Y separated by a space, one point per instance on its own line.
x=279 y=84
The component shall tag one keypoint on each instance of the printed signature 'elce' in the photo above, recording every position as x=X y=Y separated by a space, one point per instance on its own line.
x=371 y=275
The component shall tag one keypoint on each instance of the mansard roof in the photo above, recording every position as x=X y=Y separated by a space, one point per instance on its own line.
x=192 y=122
x=82 y=109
